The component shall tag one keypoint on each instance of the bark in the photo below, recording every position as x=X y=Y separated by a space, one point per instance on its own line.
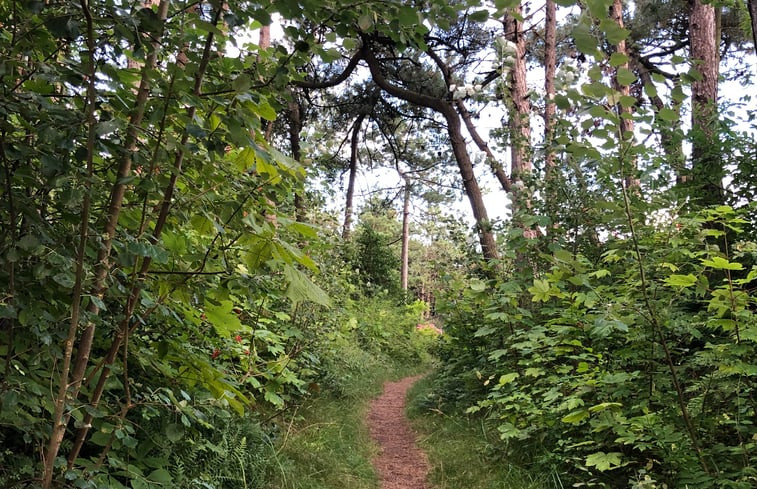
x=550 y=109
x=295 y=126
x=624 y=113
x=706 y=163
x=265 y=37
x=520 y=128
x=405 y=236
x=550 y=67
x=348 y=204
x=459 y=149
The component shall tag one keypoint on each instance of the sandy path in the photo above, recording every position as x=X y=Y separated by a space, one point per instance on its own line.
x=400 y=463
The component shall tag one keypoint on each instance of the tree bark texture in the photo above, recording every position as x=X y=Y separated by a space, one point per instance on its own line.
x=405 y=236
x=707 y=171
x=520 y=128
x=624 y=113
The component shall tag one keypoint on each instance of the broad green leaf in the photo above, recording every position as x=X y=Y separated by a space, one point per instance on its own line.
x=479 y=16
x=617 y=59
x=625 y=76
x=576 y=416
x=604 y=461
x=681 y=280
x=508 y=378
x=667 y=114
x=222 y=317
x=160 y=475
x=477 y=285
x=407 y=16
x=302 y=289
x=722 y=264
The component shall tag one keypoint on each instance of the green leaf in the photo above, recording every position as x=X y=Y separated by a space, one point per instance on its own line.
x=681 y=280
x=160 y=475
x=722 y=264
x=617 y=59
x=667 y=114
x=407 y=16
x=222 y=317
x=576 y=416
x=365 y=21
x=302 y=289
x=508 y=378
x=479 y=16
x=625 y=76
x=477 y=285
x=174 y=432
x=604 y=461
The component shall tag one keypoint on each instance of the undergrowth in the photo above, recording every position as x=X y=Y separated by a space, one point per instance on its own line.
x=459 y=448
x=327 y=444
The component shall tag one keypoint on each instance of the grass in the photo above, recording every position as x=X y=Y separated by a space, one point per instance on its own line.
x=459 y=453
x=326 y=445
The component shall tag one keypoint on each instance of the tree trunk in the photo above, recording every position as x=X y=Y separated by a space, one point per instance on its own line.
x=348 y=204
x=405 y=235
x=295 y=126
x=550 y=67
x=459 y=149
x=628 y=167
x=520 y=128
x=707 y=171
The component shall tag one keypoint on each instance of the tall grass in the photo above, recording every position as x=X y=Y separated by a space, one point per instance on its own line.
x=459 y=453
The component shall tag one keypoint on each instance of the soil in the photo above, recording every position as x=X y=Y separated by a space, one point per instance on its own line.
x=400 y=463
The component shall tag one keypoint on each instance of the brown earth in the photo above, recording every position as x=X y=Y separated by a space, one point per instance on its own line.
x=400 y=463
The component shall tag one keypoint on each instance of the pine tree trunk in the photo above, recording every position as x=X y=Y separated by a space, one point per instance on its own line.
x=707 y=171
x=349 y=198
x=405 y=236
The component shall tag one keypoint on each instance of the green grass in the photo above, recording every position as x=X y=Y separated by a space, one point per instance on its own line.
x=458 y=450
x=326 y=445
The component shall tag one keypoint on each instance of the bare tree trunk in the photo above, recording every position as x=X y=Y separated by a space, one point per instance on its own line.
x=405 y=235
x=706 y=163
x=550 y=67
x=520 y=128
x=624 y=112
x=348 y=204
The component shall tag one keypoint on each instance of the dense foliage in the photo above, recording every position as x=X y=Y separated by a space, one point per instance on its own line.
x=172 y=283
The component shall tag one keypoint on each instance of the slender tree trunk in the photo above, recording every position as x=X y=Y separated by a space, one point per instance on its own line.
x=295 y=126
x=520 y=127
x=550 y=109
x=706 y=162
x=60 y=418
x=624 y=111
x=348 y=204
x=405 y=235
x=470 y=184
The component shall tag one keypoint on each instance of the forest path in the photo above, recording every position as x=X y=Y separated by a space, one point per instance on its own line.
x=400 y=463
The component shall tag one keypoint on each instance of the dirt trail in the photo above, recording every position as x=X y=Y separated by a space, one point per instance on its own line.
x=400 y=463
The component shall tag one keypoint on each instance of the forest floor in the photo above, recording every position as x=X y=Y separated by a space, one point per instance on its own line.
x=400 y=463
